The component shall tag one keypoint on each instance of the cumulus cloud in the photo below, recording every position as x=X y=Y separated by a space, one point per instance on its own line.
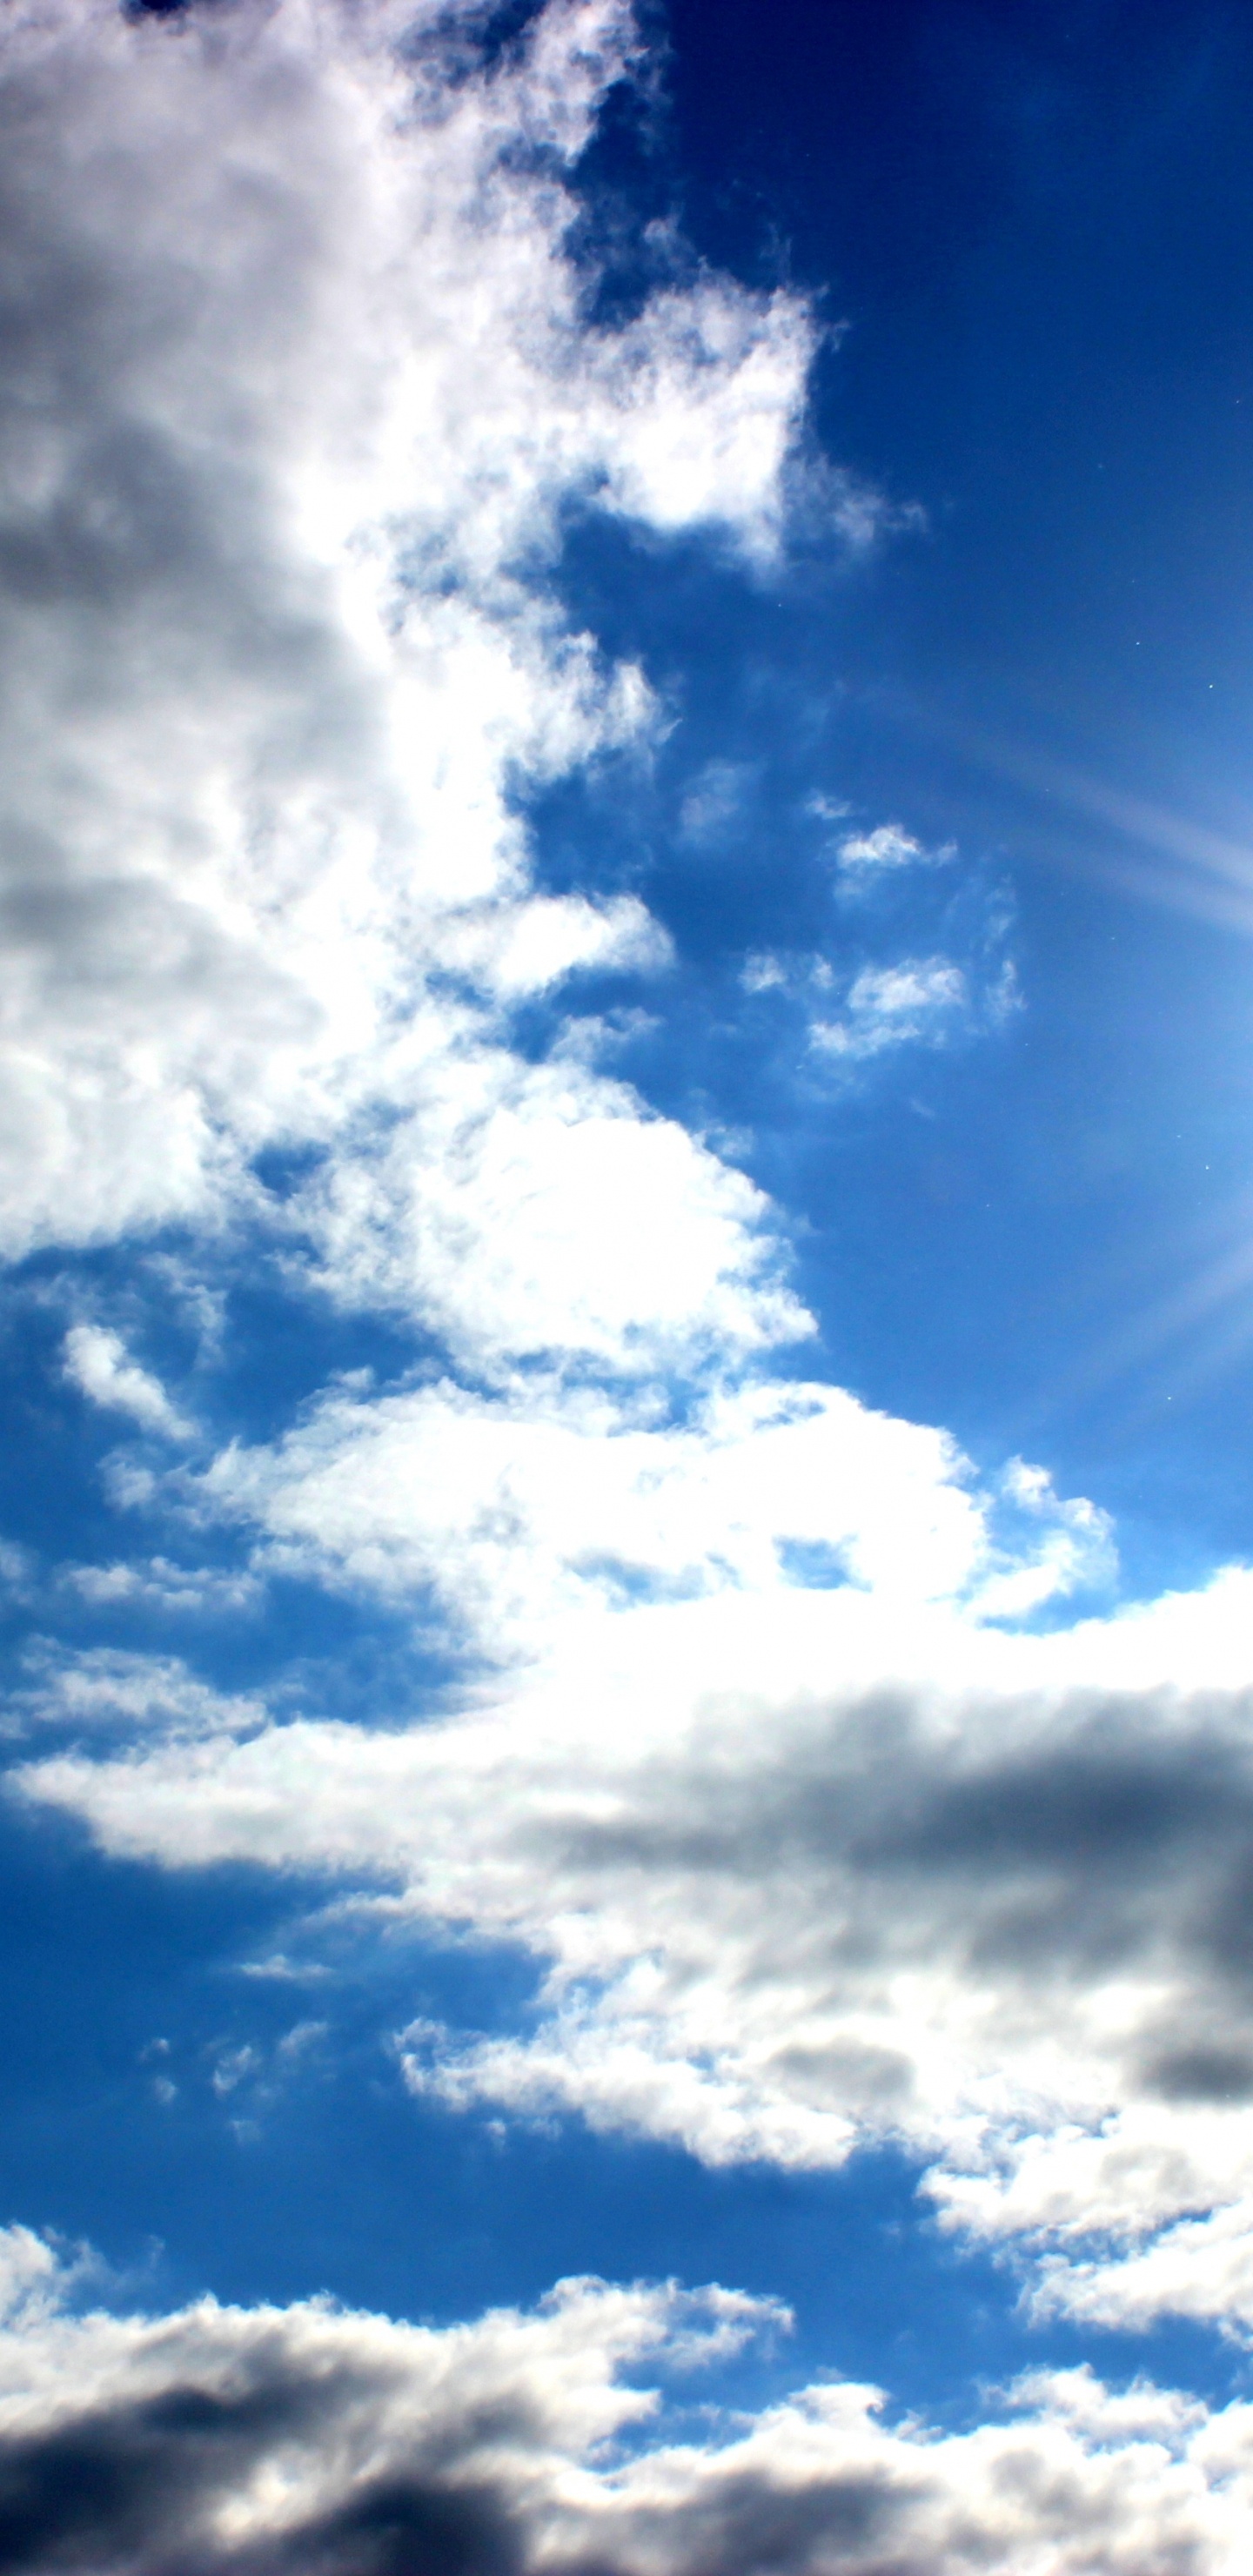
x=521 y=1511
x=524 y=1210
x=250 y=2441
x=283 y=475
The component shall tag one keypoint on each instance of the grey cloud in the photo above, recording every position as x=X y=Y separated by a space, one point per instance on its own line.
x=1121 y=1823
x=308 y=2442
x=982 y=1925
x=141 y=2487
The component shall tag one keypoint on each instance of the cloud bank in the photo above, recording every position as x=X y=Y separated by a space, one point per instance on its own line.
x=251 y=2441
x=1001 y=1920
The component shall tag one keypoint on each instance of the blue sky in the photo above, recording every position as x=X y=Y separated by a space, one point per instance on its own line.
x=628 y=1305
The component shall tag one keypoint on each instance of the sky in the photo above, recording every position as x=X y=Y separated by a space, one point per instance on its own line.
x=626 y=1197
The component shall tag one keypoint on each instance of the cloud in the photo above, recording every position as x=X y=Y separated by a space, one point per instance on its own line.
x=521 y=1210
x=97 y=1361
x=112 y=1690
x=889 y=846
x=527 y=948
x=286 y=474
x=807 y=1843
x=786 y=1891
x=253 y=2441
x=156 y=1583
x=523 y=1511
x=891 y=1006
x=714 y=801
x=920 y=1001
x=763 y=972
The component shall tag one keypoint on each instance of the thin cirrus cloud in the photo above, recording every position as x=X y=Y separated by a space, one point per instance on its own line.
x=814 y=1774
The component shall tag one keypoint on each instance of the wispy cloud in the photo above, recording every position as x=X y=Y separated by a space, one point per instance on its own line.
x=97 y=1361
x=890 y=1006
x=889 y=846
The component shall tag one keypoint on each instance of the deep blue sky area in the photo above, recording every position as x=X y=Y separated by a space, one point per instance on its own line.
x=1030 y=232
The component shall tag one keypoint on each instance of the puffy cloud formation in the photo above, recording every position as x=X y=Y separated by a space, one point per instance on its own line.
x=282 y=475
x=889 y=845
x=246 y=2442
x=521 y=1510
x=531 y=1211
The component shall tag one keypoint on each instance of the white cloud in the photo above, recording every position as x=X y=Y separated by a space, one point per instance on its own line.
x=787 y=1892
x=156 y=1583
x=925 y=1001
x=887 y=846
x=541 y=2440
x=115 y=1690
x=98 y=1362
x=522 y=1210
x=527 y=947
x=285 y=472
x=889 y=1006
x=525 y=1511
x=763 y=972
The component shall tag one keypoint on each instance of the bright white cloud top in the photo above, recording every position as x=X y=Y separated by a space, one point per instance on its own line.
x=803 y=1762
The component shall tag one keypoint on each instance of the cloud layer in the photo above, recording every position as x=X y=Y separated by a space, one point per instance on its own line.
x=252 y=2441
x=1001 y=1920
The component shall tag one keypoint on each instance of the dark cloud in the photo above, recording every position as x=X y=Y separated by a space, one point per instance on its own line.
x=306 y=2442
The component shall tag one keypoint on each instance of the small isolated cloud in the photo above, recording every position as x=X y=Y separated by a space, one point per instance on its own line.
x=714 y=802
x=98 y=1362
x=920 y=1000
x=763 y=972
x=889 y=846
